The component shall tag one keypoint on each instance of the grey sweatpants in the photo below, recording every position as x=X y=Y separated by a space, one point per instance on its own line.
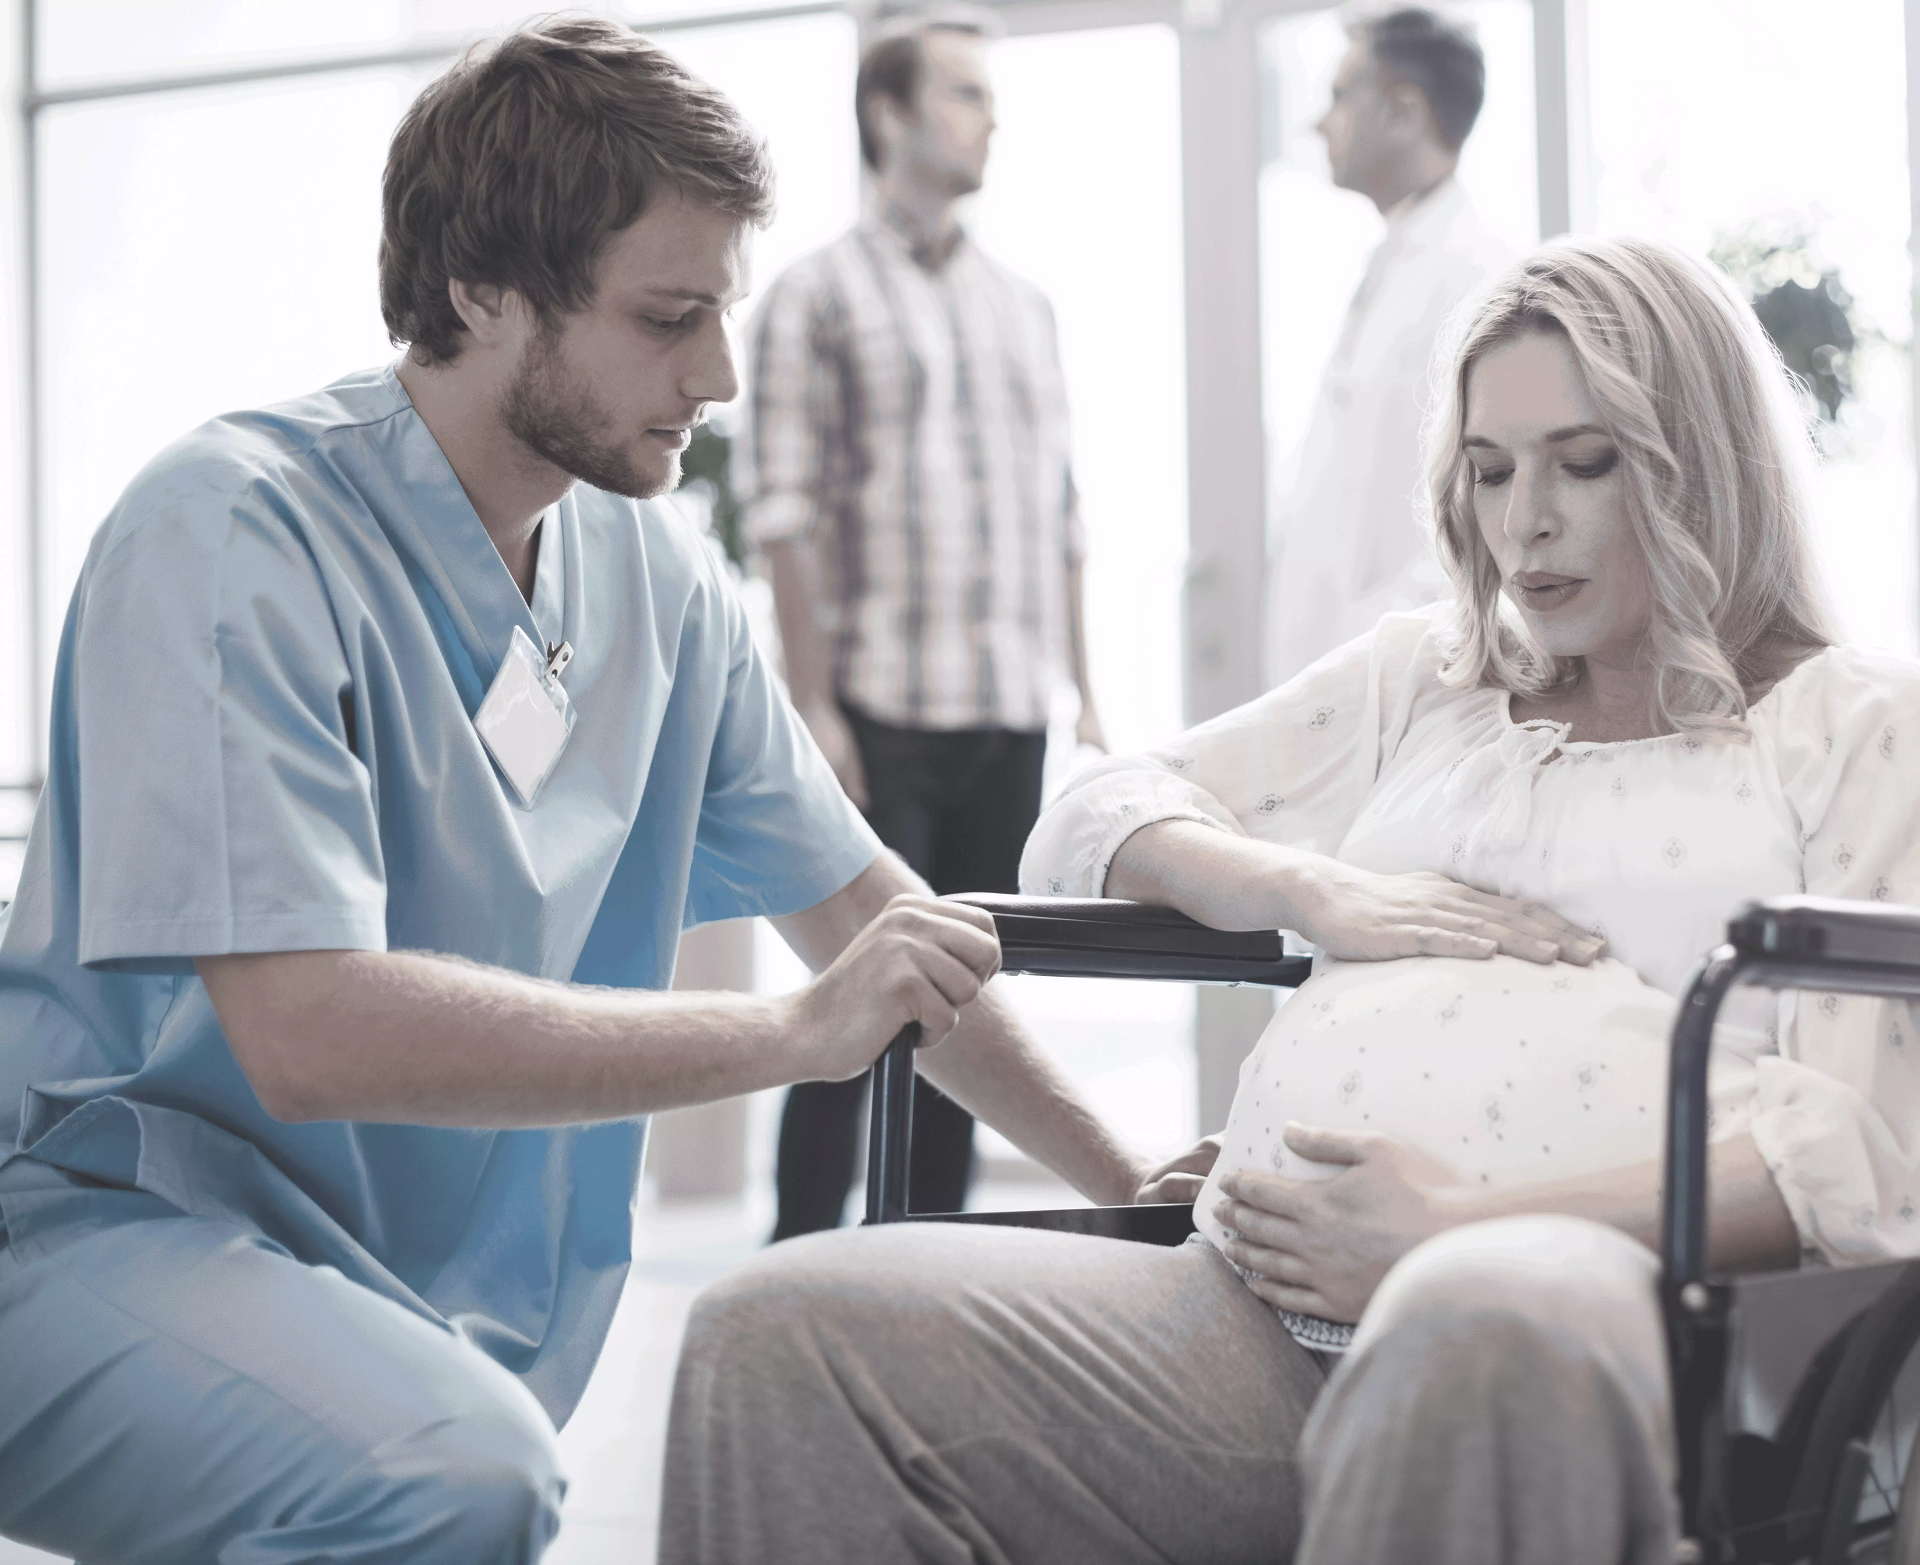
x=942 y=1393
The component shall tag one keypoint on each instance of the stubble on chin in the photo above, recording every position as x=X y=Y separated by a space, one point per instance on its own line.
x=557 y=418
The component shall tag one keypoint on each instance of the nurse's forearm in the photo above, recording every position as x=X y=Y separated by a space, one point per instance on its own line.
x=411 y=1038
x=1748 y=1224
x=993 y=1069
x=419 y=1039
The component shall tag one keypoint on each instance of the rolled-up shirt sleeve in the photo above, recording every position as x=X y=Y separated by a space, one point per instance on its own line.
x=1292 y=767
x=1837 y=1110
x=793 y=416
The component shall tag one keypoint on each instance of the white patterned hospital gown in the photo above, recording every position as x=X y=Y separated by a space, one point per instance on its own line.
x=1517 y=1072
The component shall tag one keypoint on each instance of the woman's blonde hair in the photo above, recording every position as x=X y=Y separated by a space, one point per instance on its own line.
x=1713 y=452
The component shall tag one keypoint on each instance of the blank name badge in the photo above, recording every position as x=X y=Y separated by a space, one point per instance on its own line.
x=526 y=717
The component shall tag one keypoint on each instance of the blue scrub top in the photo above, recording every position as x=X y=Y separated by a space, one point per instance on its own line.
x=262 y=740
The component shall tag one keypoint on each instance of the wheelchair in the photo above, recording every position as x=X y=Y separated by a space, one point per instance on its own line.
x=1795 y=1393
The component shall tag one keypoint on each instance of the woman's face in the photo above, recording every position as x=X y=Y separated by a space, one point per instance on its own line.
x=1548 y=498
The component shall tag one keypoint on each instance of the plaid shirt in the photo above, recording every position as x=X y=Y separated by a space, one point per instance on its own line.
x=914 y=421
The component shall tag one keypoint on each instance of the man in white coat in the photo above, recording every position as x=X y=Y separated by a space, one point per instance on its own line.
x=1348 y=545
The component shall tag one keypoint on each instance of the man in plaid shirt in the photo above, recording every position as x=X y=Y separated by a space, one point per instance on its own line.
x=905 y=468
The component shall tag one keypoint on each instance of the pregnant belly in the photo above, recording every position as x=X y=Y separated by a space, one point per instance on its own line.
x=1506 y=1071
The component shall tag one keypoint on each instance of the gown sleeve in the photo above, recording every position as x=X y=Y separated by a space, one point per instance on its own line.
x=1837 y=1111
x=1292 y=767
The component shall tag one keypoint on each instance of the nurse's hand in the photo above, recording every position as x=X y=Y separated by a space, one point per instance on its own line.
x=1179 y=1178
x=1359 y=916
x=1320 y=1247
x=921 y=960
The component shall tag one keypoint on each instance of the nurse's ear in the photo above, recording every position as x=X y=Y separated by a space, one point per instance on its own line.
x=496 y=316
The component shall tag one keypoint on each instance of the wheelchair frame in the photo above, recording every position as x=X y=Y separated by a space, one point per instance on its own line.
x=1779 y=1378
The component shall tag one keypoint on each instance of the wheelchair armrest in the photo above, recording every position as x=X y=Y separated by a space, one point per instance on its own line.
x=1110 y=939
x=1069 y=939
x=1830 y=933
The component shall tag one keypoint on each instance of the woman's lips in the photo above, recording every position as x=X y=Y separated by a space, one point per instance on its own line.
x=1544 y=593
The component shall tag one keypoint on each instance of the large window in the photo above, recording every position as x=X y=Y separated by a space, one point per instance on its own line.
x=1083 y=198
x=1796 y=136
x=183 y=273
x=212 y=247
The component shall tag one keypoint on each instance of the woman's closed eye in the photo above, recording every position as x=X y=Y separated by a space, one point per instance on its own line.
x=1594 y=467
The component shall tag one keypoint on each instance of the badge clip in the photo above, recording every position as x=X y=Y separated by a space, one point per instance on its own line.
x=526 y=716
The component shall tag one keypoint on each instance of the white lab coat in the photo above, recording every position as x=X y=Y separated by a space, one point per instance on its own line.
x=1349 y=543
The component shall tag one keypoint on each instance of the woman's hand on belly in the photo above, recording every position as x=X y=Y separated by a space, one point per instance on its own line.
x=1361 y=916
x=1228 y=881
x=1321 y=1248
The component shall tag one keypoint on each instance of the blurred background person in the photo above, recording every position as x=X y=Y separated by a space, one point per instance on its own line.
x=1346 y=545
x=904 y=467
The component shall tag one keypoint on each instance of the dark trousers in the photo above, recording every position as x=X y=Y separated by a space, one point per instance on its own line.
x=957 y=805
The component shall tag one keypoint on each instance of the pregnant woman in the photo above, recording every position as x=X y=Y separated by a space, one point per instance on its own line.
x=1419 y=1323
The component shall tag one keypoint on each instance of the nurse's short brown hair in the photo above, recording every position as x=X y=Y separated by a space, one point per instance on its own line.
x=516 y=167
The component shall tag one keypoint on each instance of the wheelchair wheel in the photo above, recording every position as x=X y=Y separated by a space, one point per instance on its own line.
x=1875 y=1514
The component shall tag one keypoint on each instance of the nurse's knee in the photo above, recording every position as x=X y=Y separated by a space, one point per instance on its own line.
x=482 y=1487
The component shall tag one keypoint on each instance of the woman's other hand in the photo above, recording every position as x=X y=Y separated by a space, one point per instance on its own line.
x=1321 y=1247
x=1359 y=916
x=1179 y=1178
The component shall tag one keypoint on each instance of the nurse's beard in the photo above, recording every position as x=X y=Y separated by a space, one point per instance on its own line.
x=556 y=418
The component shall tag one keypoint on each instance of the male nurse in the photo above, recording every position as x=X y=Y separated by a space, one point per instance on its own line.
x=395 y=740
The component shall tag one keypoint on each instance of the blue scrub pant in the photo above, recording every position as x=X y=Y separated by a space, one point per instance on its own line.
x=177 y=1389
